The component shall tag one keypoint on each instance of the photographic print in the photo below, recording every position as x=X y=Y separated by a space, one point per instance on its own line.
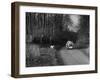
x=51 y=39
x=56 y=39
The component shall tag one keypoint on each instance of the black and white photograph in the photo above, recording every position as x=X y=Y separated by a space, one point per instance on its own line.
x=57 y=39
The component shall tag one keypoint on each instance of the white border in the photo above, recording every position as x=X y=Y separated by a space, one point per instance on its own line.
x=68 y=68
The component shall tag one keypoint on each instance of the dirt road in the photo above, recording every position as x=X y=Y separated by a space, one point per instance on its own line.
x=74 y=56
